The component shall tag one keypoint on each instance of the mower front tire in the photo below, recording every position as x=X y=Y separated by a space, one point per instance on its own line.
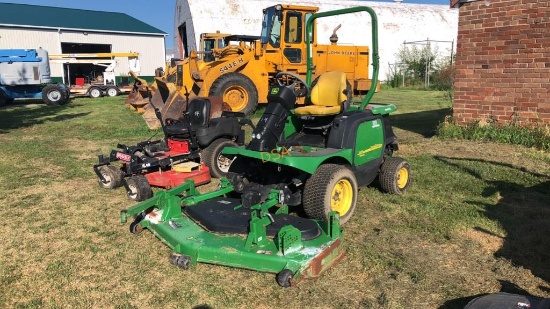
x=395 y=175
x=112 y=176
x=213 y=158
x=332 y=187
x=138 y=188
x=284 y=278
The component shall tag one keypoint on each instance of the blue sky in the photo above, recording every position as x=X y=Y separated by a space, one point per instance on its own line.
x=159 y=14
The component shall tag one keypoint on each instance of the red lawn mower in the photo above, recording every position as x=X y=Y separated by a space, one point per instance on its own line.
x=175 y=159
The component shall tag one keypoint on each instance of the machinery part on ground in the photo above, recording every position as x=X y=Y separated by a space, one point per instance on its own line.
x=112 y=177
x=212 y=156
x=395 y=175
x=331 y=188
x=138 y=188
x=284 y=278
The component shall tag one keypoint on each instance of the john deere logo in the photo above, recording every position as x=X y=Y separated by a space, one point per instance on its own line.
x=275 y=90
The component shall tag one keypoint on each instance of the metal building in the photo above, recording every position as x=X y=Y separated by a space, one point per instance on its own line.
x=74 y=31
x=398 y=23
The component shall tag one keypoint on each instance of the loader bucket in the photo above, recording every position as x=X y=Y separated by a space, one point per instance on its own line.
x=138 y=98
x=172 y=103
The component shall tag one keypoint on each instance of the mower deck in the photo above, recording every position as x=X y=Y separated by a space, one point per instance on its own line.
x=212 y=228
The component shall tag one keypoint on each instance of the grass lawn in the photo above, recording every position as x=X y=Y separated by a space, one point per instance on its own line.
x=475 y=221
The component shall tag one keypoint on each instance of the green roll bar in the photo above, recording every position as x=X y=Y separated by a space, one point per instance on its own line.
x=374 y=52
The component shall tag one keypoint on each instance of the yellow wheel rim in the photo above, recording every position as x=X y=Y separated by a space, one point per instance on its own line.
x=402 y=178
x=236 y=97
x=341 y=197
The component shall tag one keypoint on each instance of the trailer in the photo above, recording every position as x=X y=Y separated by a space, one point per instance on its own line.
x=25 y=74
x=95 y=86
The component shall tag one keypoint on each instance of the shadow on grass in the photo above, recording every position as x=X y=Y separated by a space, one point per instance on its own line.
x=424 y=122
x=524 y=213
x=22 y=116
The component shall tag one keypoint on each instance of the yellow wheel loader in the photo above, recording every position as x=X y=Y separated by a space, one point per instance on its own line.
x=241 y=73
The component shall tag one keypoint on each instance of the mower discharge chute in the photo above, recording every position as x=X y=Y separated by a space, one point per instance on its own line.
x=315 y=156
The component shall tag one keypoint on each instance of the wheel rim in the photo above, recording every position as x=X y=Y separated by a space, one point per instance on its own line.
x=236 y=97
x=54 y=95
x=224 y=163
x=402 y=178
x=341 y=197
x=95 y=93
x=111 y=92
x=133 y=191
x=107 y=179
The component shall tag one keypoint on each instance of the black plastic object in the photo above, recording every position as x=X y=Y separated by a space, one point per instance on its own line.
x=508 y=301
x=219 y=215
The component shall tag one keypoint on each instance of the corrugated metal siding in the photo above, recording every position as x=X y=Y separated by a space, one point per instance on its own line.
x=150 y=48
x=398 y=22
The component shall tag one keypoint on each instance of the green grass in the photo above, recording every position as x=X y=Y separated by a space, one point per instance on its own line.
x=475 y=221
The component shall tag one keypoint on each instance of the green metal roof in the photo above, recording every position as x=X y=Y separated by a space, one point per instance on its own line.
x=23 y=15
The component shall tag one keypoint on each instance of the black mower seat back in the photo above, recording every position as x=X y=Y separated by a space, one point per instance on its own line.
x=508 y=301
x=197 y=116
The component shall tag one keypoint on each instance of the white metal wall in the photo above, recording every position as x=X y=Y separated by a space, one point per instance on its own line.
x=397 y=22
x=150 y=48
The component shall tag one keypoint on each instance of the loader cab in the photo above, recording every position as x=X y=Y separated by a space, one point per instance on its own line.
x=283 y=34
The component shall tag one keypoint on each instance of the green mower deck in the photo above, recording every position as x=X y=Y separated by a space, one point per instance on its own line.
x=265 y=242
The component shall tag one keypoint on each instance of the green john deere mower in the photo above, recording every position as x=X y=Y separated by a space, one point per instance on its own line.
x=286 y=195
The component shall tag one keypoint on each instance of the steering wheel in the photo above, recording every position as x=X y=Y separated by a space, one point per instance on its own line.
x=297 y=80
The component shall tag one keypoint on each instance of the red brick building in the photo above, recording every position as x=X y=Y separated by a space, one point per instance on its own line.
x=503 y=61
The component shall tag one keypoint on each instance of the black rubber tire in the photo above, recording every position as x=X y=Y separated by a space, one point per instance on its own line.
x=216 y=162
x=229 y=80
x=180 y=260
x=284 y=278
x=135 y=227
x=112 y=175
x=320 y=190
x=95 y=92
x=392 y=172
x=4 y=98
x=139 y=187
x=112 y=91
x=54 y=95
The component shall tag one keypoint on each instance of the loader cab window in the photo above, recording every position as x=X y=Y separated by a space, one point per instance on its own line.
x=293 y=35
x=271 y=27
x=293 y=32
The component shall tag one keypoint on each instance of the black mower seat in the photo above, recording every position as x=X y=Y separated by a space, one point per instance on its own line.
x=197 y=116
x=327 y=95
x=219 y=216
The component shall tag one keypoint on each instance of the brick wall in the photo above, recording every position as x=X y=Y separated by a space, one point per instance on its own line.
x=503 y=62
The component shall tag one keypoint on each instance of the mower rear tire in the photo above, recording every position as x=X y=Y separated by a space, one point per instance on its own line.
x=139 y=188
x=213 y=158
x=395 y=175
x=284 y=278
x=332 y=187
x=112 y=175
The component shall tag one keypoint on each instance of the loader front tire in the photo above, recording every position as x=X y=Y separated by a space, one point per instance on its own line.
x=236 y=90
